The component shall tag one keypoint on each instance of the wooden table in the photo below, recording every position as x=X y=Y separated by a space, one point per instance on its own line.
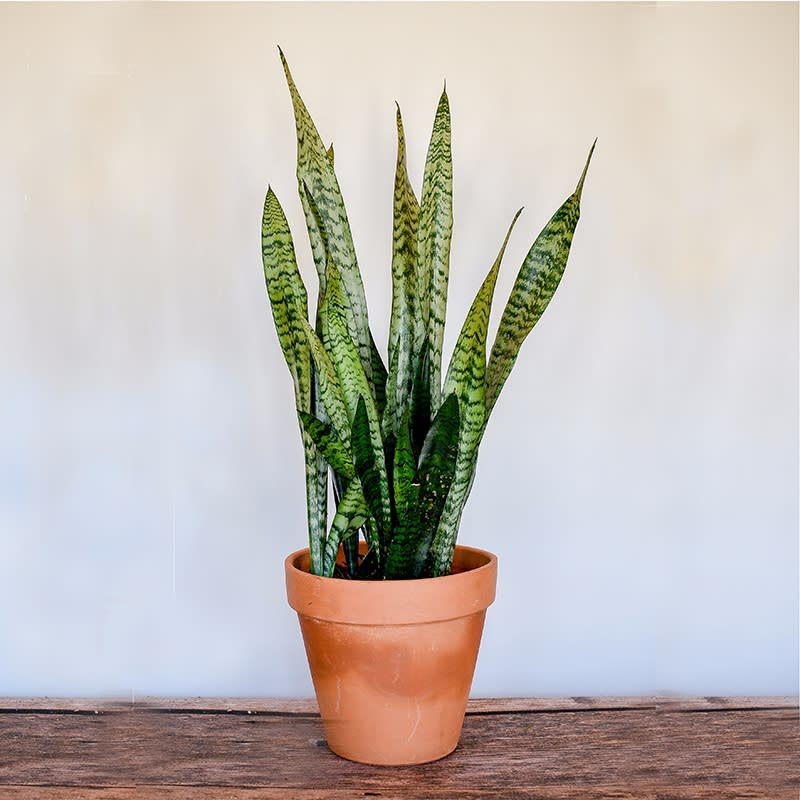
x=577 y=747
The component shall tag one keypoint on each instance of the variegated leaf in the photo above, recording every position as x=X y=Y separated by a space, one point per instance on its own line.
x=351 y=514
x=330 y=392
x=315 y=171
x=333 y=449
x=367 y=462
x=406 y=322
x=289 y=302
x=535 y=285
x=466 y=379
x=404 y=467
x=433 y=242
x=353 y=381
x=408 y=551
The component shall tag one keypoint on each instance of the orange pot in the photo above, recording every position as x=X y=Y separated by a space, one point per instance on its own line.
x=392 y=661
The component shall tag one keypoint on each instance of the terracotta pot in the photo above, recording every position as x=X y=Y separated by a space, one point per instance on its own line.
x=392 y=661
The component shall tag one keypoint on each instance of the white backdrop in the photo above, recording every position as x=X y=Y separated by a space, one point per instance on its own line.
x=639 y=478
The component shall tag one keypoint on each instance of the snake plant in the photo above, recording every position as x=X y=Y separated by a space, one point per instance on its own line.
x=398 y=444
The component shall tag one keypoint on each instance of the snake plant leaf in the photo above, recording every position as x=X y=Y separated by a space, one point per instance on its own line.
x=355 y=386
x=433 y=241
x=408 y=551
x=421 y=400
x=367 y=462
x=330 y=154
x=289 y=301
x=315 y=170
x=287 y=295
x=351 y=514
x=406 y=323
x=316 y=236
x=330 y=392
x=334 y=450
x=466 y=379
x=535 y=285
x=404 y=467
x=379 y=377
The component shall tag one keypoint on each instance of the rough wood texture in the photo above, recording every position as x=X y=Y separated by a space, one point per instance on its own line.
x=566 y=748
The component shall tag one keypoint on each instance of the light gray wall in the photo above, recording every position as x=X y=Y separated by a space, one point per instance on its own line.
x=639 y=478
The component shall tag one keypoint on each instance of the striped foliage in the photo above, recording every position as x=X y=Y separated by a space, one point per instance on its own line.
x=355 y=385
x=466 y=378
x=406 y=322
x=535 y=285
x=289 y=301
x=400 y=448
x=351 y=514
x=409 y=548
x=315 y=173
x=433 y=242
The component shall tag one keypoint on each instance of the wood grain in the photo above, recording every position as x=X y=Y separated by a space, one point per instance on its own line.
x=657 y=748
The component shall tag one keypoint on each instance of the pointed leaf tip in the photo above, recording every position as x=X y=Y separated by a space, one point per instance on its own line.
x=579 y=187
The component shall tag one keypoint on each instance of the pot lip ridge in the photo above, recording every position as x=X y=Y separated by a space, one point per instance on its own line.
x=394 y=602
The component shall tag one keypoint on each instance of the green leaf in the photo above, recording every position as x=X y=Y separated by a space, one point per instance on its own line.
x=315 y=171
x=289 y=301
x=433 y=245
x=351 y=514
x=367 y=462
x=421 y=401
x=408 y=551
x=406 y=322
x=466 y=379
x=354 y=384
x=405 y=466
x=379 y=377
x=535 y=285
x=330 y=392
x=287 y=295
x=333 y=449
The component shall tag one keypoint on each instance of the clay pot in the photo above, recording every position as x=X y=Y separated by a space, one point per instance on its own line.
x=392 y=661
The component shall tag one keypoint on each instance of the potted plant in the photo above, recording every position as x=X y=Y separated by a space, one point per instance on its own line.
x=390 y=608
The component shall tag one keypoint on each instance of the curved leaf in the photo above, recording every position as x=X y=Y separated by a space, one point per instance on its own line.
x=315 y=171
x=535 y=285
x=466 y=379
x=433 y=241
x=333 y=449
x=330 y=392
x=351 y=514
x=289 y=302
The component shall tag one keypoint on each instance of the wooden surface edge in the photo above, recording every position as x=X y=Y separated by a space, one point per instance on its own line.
x=308 y=706
x=595 y=792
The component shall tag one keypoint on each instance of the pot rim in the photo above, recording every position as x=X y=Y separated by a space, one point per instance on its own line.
x=469 y=590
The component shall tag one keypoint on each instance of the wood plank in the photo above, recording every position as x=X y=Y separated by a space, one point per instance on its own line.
x=278 y=705
x=607 y=792
x=545 y=754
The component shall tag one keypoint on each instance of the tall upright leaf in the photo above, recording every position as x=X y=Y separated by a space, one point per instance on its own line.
x=466 y=379
x=330 y=392
x=406 y=321
x=433 y=242
x=536 y=283
x=408 y=551
x=354 y=384
x=289 y=302
x=315 y=171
